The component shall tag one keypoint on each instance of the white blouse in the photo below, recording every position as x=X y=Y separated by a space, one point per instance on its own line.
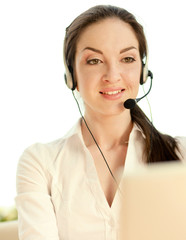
x=59 y=196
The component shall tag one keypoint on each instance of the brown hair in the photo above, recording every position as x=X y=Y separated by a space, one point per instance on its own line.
x=158 y=146
x=94 y=15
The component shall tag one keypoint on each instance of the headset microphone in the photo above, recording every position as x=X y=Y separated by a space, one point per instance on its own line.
x=130 y=103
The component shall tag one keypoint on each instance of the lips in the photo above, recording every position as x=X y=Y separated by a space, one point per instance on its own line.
x=113 y=92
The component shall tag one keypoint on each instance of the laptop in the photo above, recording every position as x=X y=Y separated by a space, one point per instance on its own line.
x=154 y=203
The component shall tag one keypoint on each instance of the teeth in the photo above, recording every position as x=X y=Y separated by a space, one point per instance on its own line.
x=112 y=93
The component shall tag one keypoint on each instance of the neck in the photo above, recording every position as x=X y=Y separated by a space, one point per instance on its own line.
x=109 y=131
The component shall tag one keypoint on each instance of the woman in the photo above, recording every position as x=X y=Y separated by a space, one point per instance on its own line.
x=67 y=189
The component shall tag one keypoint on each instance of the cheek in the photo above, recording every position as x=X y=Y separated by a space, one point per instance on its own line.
x=85 y=77
x=78 y=76
x=133 y=79
x=132 y=82
x=82 y=79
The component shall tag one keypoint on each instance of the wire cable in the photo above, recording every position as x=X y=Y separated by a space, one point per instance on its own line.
x=151 y=123
x=95 y=141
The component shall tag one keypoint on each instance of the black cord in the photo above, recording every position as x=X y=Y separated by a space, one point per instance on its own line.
x=150 y=121
x=95 y=140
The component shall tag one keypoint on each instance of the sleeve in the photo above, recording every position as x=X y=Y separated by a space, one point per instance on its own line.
x=36 y=215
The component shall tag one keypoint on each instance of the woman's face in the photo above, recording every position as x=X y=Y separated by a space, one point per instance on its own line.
x=107 y=66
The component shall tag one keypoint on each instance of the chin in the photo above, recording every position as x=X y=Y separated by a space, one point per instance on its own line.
x=116 y=111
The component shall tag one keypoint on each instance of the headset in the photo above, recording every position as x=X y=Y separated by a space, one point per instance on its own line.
x=71 y=84
x=68 y=75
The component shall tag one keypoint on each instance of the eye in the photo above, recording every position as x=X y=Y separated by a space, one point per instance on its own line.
x=94 y=61
x=128 y=59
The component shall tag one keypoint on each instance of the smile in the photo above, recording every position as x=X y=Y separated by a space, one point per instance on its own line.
x=112 y=92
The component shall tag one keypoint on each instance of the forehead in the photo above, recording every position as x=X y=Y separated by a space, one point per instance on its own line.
x=108 y=32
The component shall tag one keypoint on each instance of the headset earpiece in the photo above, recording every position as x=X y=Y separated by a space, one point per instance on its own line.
x=69 y=79
x=144 y=73
x=68 y=76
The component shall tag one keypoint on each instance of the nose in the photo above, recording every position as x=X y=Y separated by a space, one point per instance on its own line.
x=112 y=73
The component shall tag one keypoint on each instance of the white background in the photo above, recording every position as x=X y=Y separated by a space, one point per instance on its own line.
x=35 y=104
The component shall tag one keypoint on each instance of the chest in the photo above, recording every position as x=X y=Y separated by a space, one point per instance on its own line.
x=107 y=165
x=81 y=208
x=82 y=190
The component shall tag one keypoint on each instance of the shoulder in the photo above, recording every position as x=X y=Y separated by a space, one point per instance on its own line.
x=38 y=158
x=45 y=155
x=182 y=147
x=43 y=150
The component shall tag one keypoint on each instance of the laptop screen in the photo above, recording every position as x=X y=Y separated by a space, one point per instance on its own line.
x=154 y=203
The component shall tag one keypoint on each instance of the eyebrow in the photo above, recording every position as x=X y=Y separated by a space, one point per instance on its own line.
x=93 y=49
x=127 y=49
x=99 y=51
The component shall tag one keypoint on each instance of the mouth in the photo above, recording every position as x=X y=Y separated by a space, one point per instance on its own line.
x=112 y=92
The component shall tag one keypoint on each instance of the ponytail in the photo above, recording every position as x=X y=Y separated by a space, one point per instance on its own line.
x=158 y=147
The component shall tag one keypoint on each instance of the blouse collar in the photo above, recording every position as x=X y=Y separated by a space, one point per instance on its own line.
x=76 y=130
